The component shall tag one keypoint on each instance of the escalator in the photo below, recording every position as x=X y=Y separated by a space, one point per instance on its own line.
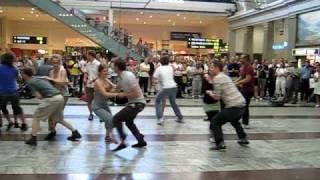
x=80 y=25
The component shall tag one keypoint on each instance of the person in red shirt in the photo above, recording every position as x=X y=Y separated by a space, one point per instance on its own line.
x=246 y=85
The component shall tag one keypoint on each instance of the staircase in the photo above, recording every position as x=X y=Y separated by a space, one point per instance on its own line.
x=80 y=25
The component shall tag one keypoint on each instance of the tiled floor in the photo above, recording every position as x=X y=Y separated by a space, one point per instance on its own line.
x=285 y=144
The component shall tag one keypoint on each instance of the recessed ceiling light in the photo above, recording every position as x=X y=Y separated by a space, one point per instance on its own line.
x=31 y=12
x=173 y=24
x=150 y=16
x=53 y=19
x=137 y=19
x=178 y=14
x=200 y=22
x=184 y=18
x=141 y=12
x=32 y=9
x=37 y=15
x=169 y=20
x=144 y=22
x=22 y=19
x=1 y=11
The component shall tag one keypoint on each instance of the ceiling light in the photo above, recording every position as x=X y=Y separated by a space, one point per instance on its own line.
x=150 y=16
x=200 y=22
x=32 y=9
x=22 y=19
x=141 y=12
x=37 y=15
x=184 y=18
x=137 y=19
x=53 y=19
x=144 y=22
x=169 y=20
x=31 y=12
x=114 y=21
x=178 y=14
x=104 y=18
x=173 y=24
x=1 y=11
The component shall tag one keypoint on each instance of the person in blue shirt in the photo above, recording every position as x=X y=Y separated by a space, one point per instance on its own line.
x=305 y=76
x=9 y=92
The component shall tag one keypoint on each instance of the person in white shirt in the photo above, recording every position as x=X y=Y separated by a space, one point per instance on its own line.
x=82 y=64
x=281 y=74
x=91 y=74
x=178 y=69
x=164 y=75
x=144 y=75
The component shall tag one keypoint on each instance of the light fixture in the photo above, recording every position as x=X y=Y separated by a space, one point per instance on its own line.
x=31 y=12
x=104 y=18
x=184 y=18
x=53 y=19
x=114 y=21
x=200 y=22
x=178 y=14
x=144 y=22
x=150 y=16
x=37 y=15
x=173 y=24
x=1 y=11
x=169 y=20
x=137 y=19
x=32 y=9
x=141 y=12
x=22 y=19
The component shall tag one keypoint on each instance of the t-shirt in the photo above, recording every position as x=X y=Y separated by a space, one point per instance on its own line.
x=126 y=81
x=83 y=65
x=8 y=76
x=43 y=86
x=244 y=71
x=228 y=92
x=44 y=70
x=144 y=70
x=235 y=67
x=73 y=67
x=178 y=68
x=165 y=77
x=92 y=70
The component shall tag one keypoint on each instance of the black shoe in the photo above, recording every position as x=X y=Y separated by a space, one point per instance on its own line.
x=101 y=120
x=24 y=127
x=10 y=125
x=75 y=135
x=50 y=136
x=148 y=100
x=32 y=141
x=220 y=147
x=90 y=118
x=120 y=147
x=16 y=125
x=140 y=145
x=243 y=142
x=205 y=119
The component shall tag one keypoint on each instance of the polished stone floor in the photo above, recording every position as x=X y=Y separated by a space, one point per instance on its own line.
x=285 y=144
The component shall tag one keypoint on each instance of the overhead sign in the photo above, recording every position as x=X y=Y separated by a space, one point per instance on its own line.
x=29 y=40
x=282 y=46
x=305 y=51
x=184 y=36
x=196 y=43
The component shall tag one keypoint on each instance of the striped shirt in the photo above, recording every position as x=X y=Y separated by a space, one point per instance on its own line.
x=227 y=91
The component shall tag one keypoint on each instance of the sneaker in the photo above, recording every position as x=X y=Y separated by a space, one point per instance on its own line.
x=243 y=141
x=16 y=125
x=10 y=125
x=24 y=127
x=148 y=100
x=101 y=120
x=205 y=119
x=140 y=145
x=317 y=105
x=50 y=136
x=32 y=141
x=120 y=147
x=220 y=147
x=160 y=121
x=211 y=139
x=180 y=120
x=75 y=136
x=90 y=118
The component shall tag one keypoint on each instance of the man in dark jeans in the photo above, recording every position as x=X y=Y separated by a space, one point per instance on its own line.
x=246 y=85
x=136 y=103
x=234 y=103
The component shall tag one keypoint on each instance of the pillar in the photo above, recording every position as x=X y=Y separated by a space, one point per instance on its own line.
x=110 y=18
x=248 y=40
x=232 y=42
x=292 y=35
x=268 y=41
x=4 y=34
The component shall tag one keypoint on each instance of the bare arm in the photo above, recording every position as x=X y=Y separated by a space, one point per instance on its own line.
x=61 y=81
x=101 y=89
x=244 y=81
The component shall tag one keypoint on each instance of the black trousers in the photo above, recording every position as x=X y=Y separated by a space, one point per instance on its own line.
x=144 y=82
x=14 y=100
x=81 y=83
x=271 y=86
x=127 y=115
x=232 y=115
x=305 y=89
x=178 y=80
x=247 y=96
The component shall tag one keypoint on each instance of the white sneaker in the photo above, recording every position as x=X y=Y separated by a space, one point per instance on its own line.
x=211 y=139
x=160 y=121
x=317 y=105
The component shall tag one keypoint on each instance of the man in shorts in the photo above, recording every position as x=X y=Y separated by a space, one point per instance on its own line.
x=51 y=107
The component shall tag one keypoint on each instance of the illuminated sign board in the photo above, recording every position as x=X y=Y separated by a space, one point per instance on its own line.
x=282 y=46
x=29 y=40
x=184 y=36
x=305 y=51
x=196 y=43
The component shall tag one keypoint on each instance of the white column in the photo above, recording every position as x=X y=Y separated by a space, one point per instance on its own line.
x=4 y=34
x=292 y=35
x=110 y=19
x=232 y=42
x=268 y=41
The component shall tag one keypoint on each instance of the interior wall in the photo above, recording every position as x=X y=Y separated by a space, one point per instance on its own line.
x=239 y=40
x=56 y=34
x=258 y=39
x=280 y=35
